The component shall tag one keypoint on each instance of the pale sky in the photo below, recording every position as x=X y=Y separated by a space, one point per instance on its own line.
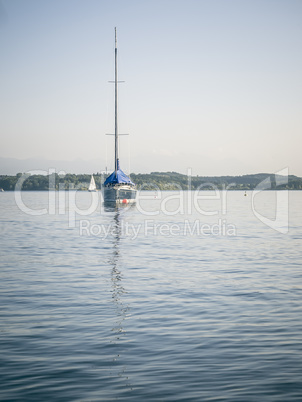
x=214 y=85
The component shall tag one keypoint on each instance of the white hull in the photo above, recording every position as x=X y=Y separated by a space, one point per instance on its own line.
x=120 y=195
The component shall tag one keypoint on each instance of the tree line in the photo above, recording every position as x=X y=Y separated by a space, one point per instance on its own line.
x=151 y=181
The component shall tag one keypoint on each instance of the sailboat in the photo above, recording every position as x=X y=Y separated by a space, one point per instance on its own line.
x=92 y=186
x=118 y=187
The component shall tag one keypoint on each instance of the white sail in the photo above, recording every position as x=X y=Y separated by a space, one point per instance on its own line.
x=92 y=186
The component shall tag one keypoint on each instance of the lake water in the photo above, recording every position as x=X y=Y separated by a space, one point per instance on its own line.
x=169 y=300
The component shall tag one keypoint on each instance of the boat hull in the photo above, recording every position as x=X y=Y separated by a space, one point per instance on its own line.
x=119 y=195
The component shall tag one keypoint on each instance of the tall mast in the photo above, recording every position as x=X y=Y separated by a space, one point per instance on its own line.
x=115 y=110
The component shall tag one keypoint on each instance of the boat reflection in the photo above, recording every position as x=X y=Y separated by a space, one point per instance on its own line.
x=118 y=208
x=122 y=310
x=118 y=289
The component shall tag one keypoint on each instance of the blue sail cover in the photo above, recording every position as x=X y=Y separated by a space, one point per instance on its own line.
x=119 y=177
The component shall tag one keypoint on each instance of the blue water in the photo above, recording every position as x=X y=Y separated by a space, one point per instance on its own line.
x=161 y=315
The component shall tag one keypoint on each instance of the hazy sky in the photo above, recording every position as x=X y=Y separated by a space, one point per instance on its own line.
x=214 y=85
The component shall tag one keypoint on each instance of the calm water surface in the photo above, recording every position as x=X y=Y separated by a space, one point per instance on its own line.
x=126 y=305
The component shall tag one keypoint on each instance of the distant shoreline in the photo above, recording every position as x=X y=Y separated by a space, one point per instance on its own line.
x=163 y=181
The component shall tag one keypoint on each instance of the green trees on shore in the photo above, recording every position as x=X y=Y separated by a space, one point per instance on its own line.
x=152 y=181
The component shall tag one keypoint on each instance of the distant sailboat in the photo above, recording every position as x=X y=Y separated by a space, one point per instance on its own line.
x=118 y=187
x=92 y=186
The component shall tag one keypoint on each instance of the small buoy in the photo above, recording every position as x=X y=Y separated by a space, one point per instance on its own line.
x=125 y=201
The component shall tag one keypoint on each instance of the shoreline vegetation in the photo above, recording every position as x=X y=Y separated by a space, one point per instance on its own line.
x=152 y=181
